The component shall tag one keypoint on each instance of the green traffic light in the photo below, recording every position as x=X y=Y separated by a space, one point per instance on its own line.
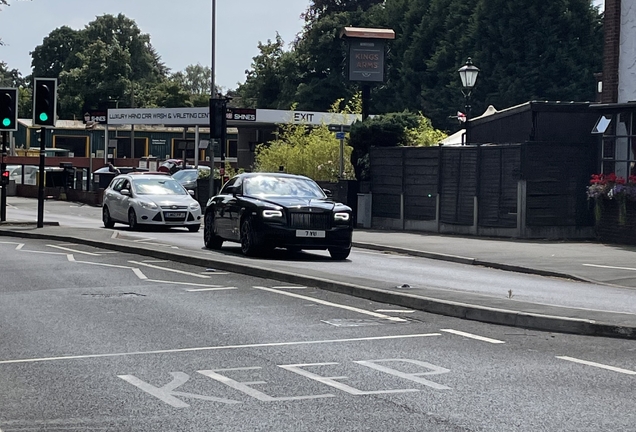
x=6 y=122
x=43 y=117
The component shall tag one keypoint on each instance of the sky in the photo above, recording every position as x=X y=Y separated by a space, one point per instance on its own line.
x=180 y=31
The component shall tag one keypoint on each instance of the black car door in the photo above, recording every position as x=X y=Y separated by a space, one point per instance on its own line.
x=235 y=206
x=222 y=215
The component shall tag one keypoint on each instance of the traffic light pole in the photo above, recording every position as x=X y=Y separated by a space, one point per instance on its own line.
x=3 y=167
x=41 y=177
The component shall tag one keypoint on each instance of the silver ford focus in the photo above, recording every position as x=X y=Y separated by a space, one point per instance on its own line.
x=149 y=199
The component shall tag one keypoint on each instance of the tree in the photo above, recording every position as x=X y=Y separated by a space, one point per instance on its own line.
x=58 y=52
x=109 y=59
x=524 y=50
x=270 y=77
x=312 y=151
x=389 y=130
x=195 y=79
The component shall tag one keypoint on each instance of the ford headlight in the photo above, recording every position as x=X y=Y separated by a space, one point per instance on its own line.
x=148 y=205
x=341 y=217
x=195 y=206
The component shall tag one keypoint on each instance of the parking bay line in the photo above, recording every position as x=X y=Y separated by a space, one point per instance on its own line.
x=326 y=303
x=473 y=336
x=598 y=365
x=217 y=348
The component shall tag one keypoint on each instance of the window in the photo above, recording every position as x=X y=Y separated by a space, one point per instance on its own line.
x=619 y=145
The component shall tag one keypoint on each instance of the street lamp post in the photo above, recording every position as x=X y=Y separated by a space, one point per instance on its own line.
x=468 y=74
x=211 y=186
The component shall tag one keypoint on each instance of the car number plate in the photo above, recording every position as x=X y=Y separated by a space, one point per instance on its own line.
x=310 y=233
x=174 y=214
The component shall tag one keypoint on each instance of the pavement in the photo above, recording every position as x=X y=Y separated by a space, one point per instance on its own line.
x=610 y=268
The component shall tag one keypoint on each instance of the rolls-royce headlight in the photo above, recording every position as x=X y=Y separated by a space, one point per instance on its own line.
x=341 y=217
x=148 y=205
x=195 y=206
x=272 y=214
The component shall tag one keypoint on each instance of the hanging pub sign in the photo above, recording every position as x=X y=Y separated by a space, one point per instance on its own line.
x=366 y=52
x=366 y=60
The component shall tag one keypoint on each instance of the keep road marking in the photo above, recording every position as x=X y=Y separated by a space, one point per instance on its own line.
x=472 y=336
x=216 y=348
x=598 y=365
x=326 y=303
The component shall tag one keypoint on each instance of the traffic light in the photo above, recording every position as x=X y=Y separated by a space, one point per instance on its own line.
x=4 y=180
x=44 y=101
x=217 y=118
x=8 y=109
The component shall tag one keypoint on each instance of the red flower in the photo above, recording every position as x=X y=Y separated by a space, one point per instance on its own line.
x=620 y=180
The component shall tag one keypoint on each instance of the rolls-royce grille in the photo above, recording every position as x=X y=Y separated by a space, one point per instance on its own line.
x=311 y=221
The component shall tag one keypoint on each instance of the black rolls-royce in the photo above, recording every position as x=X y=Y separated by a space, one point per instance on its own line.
x=262 y=211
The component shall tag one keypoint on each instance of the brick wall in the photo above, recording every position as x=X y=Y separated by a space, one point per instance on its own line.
x=612 y=30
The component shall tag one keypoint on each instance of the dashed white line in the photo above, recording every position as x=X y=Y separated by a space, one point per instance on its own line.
x=395 y=311
x=222 y=347
x=187 y=283
x=73 y=250
x=610 y=267
x=139 y=273
x=472 y=336
x=326 y=303
x=598 y=365
x=212 y=289
x=290 y=287
x=171 y=270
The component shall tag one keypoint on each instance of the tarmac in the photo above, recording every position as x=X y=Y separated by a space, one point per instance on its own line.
x=611 y=268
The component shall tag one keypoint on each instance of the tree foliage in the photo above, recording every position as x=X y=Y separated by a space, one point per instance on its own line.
x=312 y=151
x=108 y=60
x=526 y=49
x=389 y=130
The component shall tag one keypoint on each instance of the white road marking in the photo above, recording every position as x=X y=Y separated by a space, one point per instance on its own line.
x=610 y=267
x=73 y=250
x=114 y=235
x=395 y=310
x=212 y=289
x=172 y=270
x=101 y=264
x=290 y=287
x=70 y=257
x=143 y=239
x=44 y=252
x=186 y=283
x=139 y=274
x=216 y=348
x=393 y=255
x=326 y=303
x=598 y=365
x=472 y=336
x=156 y=261
x=18 y=247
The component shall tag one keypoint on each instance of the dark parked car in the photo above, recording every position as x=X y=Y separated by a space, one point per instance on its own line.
x=262 y=211
x=188 y=176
